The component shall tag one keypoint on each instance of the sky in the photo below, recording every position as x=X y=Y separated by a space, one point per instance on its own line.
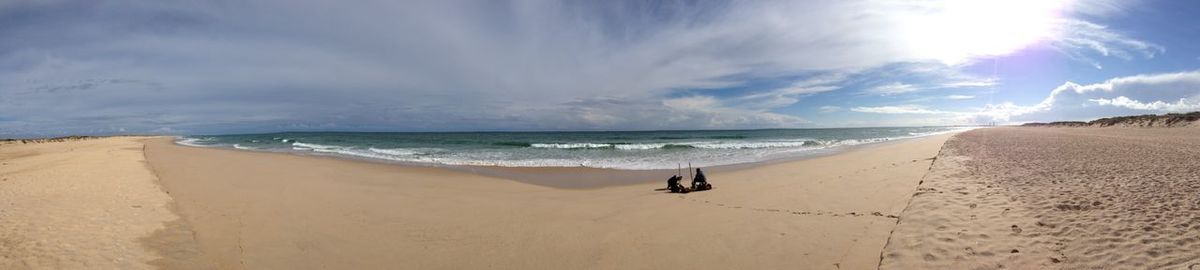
x=238 y=66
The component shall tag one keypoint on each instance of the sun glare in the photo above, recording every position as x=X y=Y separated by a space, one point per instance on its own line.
x=955 y=31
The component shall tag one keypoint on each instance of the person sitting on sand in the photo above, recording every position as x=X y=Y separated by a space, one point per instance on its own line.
x=673 y=183
x=699 y=181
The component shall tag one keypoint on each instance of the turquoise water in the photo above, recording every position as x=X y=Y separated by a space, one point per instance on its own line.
x=636 y=150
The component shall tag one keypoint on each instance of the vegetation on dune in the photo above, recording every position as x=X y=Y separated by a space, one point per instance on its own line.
x=1146 y=120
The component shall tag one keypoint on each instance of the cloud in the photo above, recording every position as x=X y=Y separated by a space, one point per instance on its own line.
x=218 y=67
x=959 y=97
x=1131 y=95
x=909 y=78
x=970 y=83
x=829 y=109
x=1139 y=94
x=1182 y=105
x=893 y=89
x=1081 y=37
x=902 y=109
x=785 y=96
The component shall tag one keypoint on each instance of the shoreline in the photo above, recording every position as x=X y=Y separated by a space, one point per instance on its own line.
x=583 y=177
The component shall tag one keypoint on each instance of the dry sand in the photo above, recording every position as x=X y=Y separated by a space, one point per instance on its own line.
x=253 y=210
x=79 y=205
x=1056 y=198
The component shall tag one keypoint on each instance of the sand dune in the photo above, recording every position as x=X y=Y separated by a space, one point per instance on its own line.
x=1070 y=198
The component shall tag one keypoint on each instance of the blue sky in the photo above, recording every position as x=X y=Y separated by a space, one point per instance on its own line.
x=106 y=67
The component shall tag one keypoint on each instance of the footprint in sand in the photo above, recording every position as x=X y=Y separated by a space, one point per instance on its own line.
x=1016 y=229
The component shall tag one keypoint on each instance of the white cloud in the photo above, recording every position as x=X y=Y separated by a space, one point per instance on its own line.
x=829 y=109
x=708 y=112
x=902 y=109
x=1080 y=37
x=1182 y=105
x=1132 y=95
x=959 y=97
x=1139 y=94
x=970 y=83
x=936 y=77
x=893 y=89
x=789 y=95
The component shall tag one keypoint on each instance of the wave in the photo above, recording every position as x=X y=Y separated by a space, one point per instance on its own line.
x=717 y=137
x=677 y=146
x=755 y=144
x=517 y=144
x=238 y=146
x=395 y=151
x=315 y=146
x=638 y=146
x=683 y=145
x=196 y=142
x=571 y=145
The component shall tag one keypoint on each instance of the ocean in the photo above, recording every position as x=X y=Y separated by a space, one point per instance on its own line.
x=629 y=150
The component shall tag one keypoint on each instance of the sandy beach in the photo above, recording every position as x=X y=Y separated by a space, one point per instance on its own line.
x=251 y=210
x=1011 y=198
x=1056 y=198
x=80 y=204
x=261 y=210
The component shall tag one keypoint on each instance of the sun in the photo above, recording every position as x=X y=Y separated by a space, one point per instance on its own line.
x=955 y=31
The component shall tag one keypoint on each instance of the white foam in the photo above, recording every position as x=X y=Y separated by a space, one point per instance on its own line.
x=640 y=146
x=238 y=146
x=196 y=142
x=571 y=145
x=315 y=146
x=351 y=152
x=704 y=145
x=394 y=151
x=752 y=144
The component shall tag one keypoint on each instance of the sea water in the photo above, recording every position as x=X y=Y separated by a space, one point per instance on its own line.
x=632 y=150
